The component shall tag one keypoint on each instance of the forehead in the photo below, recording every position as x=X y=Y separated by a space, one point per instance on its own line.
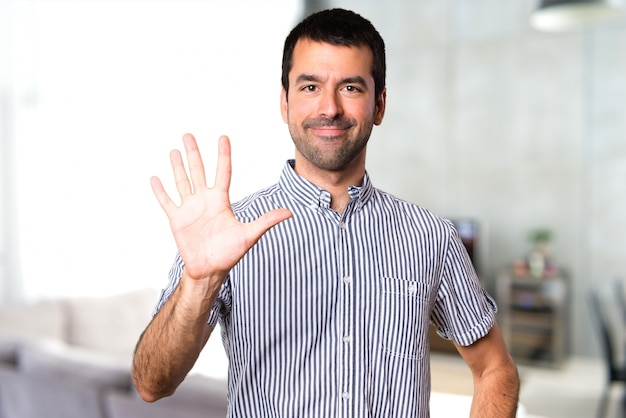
x=321 y=58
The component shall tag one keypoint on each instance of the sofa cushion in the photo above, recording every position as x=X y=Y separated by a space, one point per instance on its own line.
x=197 y=397
x=111 y=324
x=44 y=319
x=212 y=392
x=121 y=405
x=20 y=323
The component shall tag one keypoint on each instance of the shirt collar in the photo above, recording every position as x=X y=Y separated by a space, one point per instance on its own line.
x=312 y=196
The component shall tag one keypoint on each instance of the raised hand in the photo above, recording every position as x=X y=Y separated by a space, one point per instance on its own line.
x=209 y=237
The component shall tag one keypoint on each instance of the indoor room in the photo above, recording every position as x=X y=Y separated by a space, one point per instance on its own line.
x=506 y=117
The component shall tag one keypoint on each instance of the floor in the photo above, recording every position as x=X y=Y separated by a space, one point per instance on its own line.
x=571 y=391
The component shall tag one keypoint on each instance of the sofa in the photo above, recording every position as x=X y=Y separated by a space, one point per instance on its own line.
x=71 y=358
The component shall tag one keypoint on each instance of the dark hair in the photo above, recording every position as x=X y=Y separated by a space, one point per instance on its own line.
x=338 y=27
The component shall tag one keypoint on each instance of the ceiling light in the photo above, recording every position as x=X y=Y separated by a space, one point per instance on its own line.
x=567 y=15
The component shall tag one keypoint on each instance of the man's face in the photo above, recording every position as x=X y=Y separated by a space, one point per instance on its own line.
x=331 y=107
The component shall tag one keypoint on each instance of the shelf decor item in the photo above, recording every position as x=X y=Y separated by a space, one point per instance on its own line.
x=539 y=256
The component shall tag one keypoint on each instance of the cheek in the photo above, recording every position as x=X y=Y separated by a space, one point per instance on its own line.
x=295 y=111
x=359 y=109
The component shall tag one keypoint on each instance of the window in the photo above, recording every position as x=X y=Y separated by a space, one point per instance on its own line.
x=100 y=92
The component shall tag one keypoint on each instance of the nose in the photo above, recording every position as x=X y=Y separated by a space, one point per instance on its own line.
x=329 y=104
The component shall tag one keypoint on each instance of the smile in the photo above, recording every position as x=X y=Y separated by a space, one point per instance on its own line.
x=328 y=132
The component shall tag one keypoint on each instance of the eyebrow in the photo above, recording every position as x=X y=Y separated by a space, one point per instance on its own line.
x=303 y=78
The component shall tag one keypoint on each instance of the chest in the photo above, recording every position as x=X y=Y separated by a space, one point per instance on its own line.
x=306 y=272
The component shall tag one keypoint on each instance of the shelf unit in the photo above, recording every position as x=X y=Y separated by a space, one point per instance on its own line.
x=533 y=317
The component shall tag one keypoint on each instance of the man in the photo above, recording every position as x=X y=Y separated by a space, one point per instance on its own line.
x=324 y=286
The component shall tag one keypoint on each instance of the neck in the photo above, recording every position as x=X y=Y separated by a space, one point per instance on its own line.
x=335 y=182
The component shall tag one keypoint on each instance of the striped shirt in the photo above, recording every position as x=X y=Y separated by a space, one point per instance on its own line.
x=328 y=314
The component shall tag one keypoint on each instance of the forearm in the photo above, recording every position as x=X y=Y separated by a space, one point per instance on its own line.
x=170 y=345
x=496 y=393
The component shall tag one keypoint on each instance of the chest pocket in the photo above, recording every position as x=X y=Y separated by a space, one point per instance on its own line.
x=405 y=317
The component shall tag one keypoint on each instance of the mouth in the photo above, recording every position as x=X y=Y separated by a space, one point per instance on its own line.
x=328 y=132
x=328 y=129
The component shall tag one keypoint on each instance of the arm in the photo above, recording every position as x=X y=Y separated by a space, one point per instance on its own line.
x=171 y=343
x=496 y=382
x=210 y=241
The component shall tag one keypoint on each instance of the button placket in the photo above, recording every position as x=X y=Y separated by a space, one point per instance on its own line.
x=347 y=315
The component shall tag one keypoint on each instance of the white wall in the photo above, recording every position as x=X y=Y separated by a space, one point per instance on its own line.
x=103 y=90
x=491 y=119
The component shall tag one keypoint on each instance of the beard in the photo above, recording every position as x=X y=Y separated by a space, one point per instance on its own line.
x=331 y=158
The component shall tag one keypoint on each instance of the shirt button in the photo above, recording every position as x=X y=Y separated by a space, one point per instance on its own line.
x=347 y=279
x=345 y=396
x=346 y=339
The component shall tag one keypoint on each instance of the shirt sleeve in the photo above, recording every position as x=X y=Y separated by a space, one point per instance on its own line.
x=464 y=312
x=222 y=302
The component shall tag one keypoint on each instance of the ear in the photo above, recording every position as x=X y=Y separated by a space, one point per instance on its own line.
x=379 y=111
x=284 y=107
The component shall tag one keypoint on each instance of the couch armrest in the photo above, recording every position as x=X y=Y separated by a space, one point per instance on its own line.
x=36 y=396
x=8 y=374
x=8 y=349
x=57 y=359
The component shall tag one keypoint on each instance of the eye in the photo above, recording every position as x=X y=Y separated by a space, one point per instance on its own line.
x=352 y=89
x=309 y=88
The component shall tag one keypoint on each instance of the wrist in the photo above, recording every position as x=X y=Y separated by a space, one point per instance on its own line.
x=199 y=294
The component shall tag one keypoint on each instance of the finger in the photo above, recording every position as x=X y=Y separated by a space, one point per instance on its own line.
x=224 y=168
x=180 y=174
x=164 y=199
x=194 y=159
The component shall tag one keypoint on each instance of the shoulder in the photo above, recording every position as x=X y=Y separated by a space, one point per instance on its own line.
x=414 y=213
x=259 y=202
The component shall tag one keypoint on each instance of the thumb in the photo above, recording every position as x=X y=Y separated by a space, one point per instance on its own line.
x=262 y=224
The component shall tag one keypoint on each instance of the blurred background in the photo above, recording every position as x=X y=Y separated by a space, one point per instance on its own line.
x=509 y=130
x=94 y=96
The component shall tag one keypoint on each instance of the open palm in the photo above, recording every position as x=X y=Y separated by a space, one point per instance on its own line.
x=208 y=236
